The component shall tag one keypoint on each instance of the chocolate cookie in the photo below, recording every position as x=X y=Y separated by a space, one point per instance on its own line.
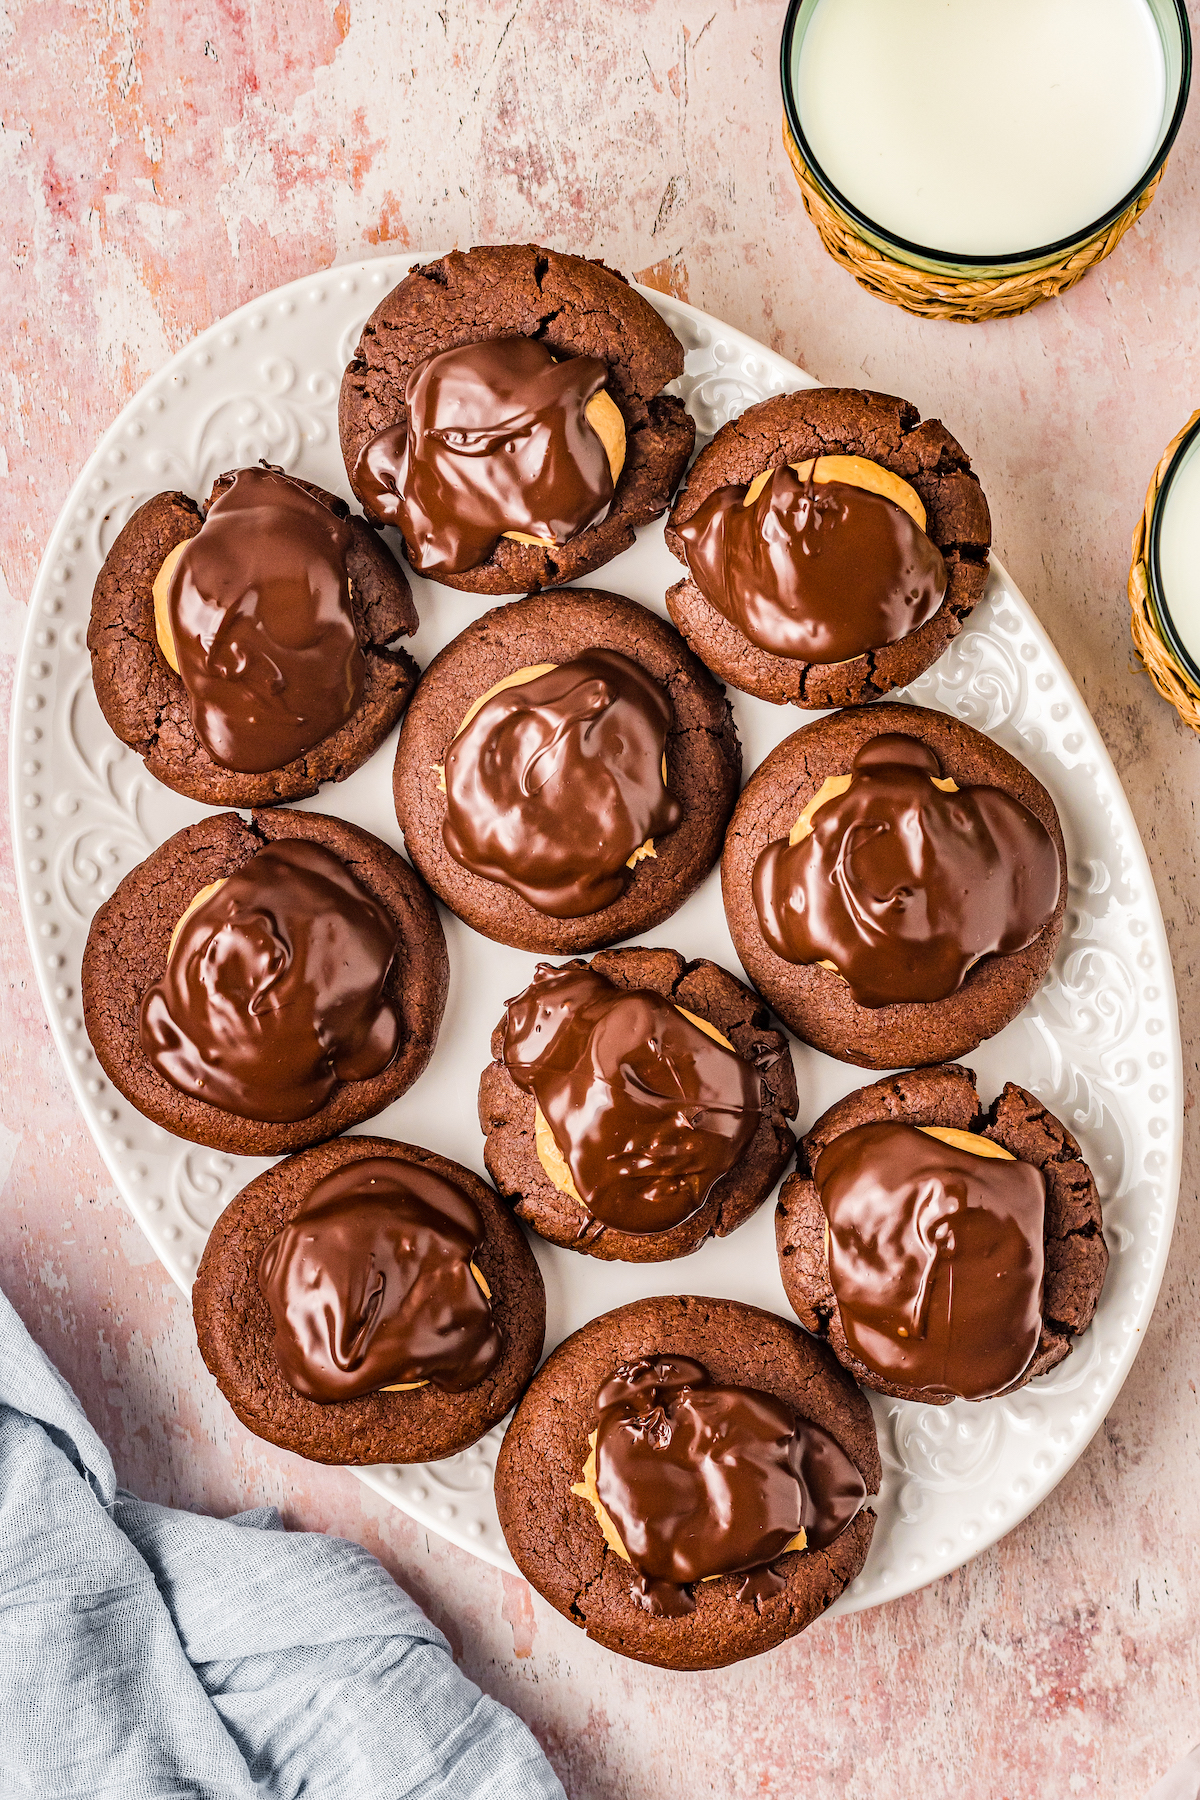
x=127 y=955
x=573 y=307
x=237 y=1334
x=665 y=691
x=1076 y=1256
x=817 y=1002
x=555 y=1535
x=144 y=698
x=507 y=1116
x=838 y=422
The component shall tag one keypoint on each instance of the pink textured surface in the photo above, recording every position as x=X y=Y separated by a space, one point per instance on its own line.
x=162 y=164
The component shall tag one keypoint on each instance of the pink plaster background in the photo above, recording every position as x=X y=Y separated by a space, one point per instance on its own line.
x=162 y=161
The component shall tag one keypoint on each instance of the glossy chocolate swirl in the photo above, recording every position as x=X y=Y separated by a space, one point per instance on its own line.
x=370 y=1285
x=936 y=1258
x=496 y=440
x=263 y=629
x=274 y=990
x=902 y=885
x=702 y=1480
x=817 y=571
x=555 y=782
x=648 y=1111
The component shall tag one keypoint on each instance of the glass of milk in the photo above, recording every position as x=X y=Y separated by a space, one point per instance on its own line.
x=984 y=137
x=1174 y=557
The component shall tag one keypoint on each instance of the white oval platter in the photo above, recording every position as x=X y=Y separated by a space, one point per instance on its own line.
x=1100 y=1043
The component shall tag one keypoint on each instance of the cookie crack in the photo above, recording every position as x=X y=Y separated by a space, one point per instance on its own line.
x=580 y=1599
x=1088 y=1230
x=1059 y=1329
x=539 y=335
x=966 y=549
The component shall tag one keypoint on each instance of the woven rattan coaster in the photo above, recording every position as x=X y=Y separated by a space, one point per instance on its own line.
x=1156 y=658
x=945 y=296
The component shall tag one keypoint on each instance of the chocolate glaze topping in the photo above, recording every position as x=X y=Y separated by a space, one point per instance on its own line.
x=706 y=1480
x=936 y=1258
x=370 y=1285
x=818 y=571
x=274 y=992
x=902 y=885
x=264 y=632
x=648 y=1110
x=495 y=440
x=555 y=783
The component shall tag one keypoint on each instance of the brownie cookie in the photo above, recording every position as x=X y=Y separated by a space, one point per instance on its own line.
x=144 y=698
x=128 y=960
x=937 y=572
x=555 y=1533
x=237 y=1333
x=988 y=866
x=1075 y=1254
x=520 y=1152
x=606 y=696
x=567 y=308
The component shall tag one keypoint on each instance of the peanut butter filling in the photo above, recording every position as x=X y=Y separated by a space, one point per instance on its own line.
x=194 y=905
x=855 y=471
x=162 y=611
x=252 y=1011
x=529 y=673
x=554 y=1163
x=162 y=615
x=970 y=1141
x=830 y=788
x=604 y=417
x=587 y=1489
x=519 y=676
x=406 y=1387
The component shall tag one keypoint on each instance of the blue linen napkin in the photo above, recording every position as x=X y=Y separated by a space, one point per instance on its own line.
x=147 y=1653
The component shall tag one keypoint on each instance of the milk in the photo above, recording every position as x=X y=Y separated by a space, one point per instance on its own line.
x=1179 y=550
x=982 y=127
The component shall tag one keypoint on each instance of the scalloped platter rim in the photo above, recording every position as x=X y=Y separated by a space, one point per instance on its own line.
x=1099 y=1043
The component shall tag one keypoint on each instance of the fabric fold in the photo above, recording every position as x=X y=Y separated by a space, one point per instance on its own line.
x=147 y=1652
